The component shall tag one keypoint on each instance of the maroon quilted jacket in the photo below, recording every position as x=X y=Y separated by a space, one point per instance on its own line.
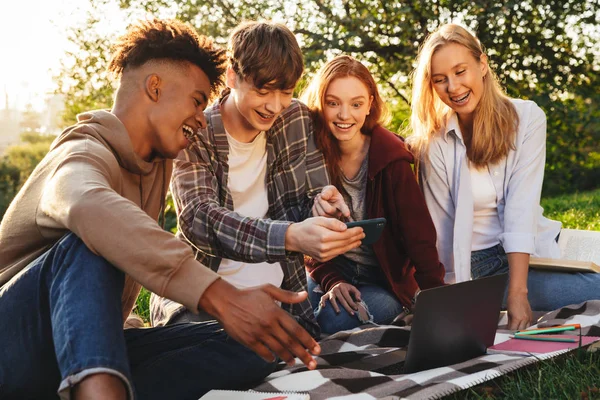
x=406 y=250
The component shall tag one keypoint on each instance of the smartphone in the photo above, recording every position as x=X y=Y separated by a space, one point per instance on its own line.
x=371 y=227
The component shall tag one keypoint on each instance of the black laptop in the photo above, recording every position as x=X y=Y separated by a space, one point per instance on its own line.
x=452 y=324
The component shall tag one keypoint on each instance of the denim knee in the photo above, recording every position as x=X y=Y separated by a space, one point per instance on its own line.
x=74 y=251
x=332 y=322
x=550 y=290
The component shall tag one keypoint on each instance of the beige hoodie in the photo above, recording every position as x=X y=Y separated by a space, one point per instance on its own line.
x=93 y=184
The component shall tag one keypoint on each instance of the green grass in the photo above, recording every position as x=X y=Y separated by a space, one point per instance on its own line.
x=575 y=211
x=573 y=376
x=142 y=305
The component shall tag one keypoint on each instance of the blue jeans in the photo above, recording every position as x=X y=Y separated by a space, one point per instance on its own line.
x=381 y=304
x=61 y=320
x=547 y=290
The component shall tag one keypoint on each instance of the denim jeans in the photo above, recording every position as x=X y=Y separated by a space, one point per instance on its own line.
x=61 y=320
x=547 y=290
x=382 y=305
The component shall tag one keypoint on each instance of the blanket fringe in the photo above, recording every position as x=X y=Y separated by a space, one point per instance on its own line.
x=499 y=371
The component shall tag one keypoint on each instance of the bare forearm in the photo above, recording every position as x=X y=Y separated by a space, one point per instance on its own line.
x=517 y=304
x=519 y=268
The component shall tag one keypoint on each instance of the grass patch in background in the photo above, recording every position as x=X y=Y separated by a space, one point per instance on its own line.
x=142 y=305
x=575 y=211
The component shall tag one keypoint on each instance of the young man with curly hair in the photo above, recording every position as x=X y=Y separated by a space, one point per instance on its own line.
x=82 y=236
x=245 y=187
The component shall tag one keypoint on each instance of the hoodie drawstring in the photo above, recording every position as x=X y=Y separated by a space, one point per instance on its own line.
x=141 y=193
x=161 y=212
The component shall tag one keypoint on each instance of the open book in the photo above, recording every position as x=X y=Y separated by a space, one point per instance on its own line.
x=532 y=347
x=216 y=394
x=580 y=252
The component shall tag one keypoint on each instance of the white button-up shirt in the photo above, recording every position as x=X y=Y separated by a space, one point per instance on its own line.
x=446 y=183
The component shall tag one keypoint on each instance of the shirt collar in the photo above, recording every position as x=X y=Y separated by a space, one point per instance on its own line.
x=452 y=127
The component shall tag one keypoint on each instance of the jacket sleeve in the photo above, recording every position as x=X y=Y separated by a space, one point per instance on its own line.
x=525 y=185
x=79 y=196
x=316 y=172
x=325 y=274
x=211 y=227
x=416 y=226
x=436 y=190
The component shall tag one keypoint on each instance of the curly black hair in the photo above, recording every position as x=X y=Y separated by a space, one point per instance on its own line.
x=173 y=40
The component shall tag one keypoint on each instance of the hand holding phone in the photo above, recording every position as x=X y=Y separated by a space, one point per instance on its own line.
x=371 y=227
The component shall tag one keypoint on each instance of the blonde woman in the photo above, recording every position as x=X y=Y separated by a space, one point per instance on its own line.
x=482 y=157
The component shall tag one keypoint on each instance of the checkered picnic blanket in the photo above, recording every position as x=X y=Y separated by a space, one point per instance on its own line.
x=348 y=360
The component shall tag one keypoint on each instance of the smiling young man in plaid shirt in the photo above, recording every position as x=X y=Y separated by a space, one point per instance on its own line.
x=244 y=189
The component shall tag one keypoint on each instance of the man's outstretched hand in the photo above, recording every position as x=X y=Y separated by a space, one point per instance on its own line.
x=252 y=317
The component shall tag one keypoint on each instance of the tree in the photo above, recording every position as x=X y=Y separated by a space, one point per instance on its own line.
x=536 y=44
x=18 y=162
x=9 y=184
x=83 y=77
x=544 y=50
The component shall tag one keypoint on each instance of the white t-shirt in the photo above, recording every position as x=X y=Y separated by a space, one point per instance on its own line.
x=247 y=184
x=486 y=223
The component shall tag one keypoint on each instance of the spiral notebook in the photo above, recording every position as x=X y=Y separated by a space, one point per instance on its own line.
x=252 y=395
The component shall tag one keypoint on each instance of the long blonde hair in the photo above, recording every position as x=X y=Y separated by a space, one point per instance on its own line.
x=495 y=122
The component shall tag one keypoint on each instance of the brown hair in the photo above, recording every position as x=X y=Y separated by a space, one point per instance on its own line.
x=496 y=120
x=266 y=54
x=169 y=40
x=314 y=96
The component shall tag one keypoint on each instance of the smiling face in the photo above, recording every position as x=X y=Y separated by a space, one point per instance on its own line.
x=457 y=78
x=182 y=95
x=345 y=107
x=256 y=109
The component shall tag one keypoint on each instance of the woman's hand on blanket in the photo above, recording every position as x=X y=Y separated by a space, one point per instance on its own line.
x=252 y=317
x=346 y=294
x=517 y=304
x=330 y=203
x=322 y=238
x=519 y=311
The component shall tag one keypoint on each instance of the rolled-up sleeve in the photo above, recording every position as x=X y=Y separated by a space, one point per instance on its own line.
x=525 y=184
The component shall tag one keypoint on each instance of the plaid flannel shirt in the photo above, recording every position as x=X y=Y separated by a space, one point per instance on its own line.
x=296 y=173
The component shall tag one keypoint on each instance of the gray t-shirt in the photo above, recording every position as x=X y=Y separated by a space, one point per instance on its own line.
x=356 y=189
